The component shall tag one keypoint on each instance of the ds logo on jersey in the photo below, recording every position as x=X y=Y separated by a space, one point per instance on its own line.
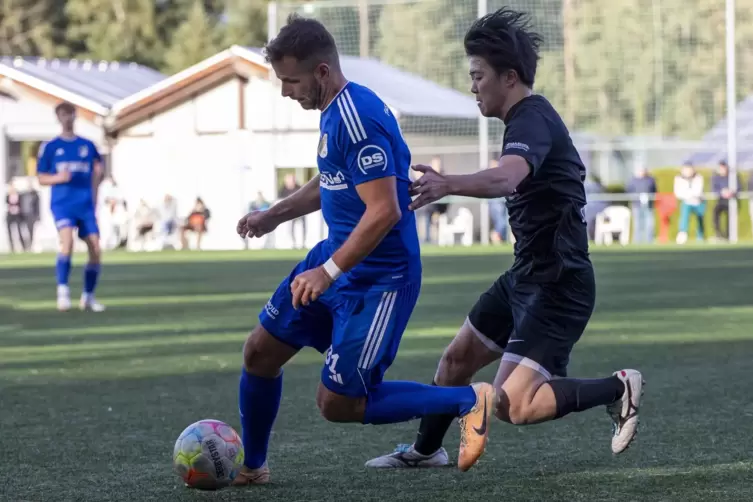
x=371 y=157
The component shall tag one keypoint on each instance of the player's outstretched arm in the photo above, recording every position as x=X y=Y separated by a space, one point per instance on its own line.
x=382 y=213
x=528 y=140
x=304 y=201
x=488 y=184
x=54 y=179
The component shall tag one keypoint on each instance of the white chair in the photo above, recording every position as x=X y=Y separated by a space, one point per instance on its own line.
x=461 y=225
x=613 y=220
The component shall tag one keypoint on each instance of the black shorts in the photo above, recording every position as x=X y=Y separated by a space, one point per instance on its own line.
x=535 y=324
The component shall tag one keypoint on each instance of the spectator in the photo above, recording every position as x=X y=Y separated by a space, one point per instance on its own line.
x=434 y=211
x=750 y=200
x=168 y=216
x=259 y=204
x=720 y=186
x=498 y=215
x=144 y=221
x=114 y=224
x=643 y=185
x=196 y=223
x=289 y=187
x=14 y=218
x=689 y=191
x=593 y=207
x=30 y=211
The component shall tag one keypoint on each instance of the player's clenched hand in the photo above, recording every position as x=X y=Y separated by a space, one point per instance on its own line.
x=430 y=187
x=256 y=224
x=309 y=286
x=64 y=177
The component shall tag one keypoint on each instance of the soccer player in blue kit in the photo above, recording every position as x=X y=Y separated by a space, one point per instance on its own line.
x=352 y=296
x=72 y=166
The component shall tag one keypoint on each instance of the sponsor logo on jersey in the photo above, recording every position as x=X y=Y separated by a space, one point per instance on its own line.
x=330 y=181
x=372 y=157
x=323 y=146
x=271 y=310
x=517 y=146
x=73 y=167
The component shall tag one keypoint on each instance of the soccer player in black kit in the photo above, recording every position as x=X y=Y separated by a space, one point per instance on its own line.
x=533 y=314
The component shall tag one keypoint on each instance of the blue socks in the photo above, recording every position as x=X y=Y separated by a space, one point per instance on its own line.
x=63 y=272
x=63 y=269
x=394 y=402
x=258 y=401
x=91 y=274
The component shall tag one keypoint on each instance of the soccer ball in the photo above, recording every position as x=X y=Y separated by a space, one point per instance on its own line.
x=208 y=455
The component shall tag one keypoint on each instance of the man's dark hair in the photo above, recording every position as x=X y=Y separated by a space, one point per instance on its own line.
x=304 y=39
x=506 y=41
x=65 y=107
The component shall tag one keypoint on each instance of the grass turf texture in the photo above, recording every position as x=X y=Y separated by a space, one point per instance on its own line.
x=90 y=404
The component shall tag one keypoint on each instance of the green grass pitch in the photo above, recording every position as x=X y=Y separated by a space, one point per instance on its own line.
x=90 y=404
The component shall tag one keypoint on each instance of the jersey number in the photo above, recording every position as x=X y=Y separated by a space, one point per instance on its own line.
x=331 y=361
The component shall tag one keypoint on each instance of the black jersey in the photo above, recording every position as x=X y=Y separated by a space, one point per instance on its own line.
x=547 y=209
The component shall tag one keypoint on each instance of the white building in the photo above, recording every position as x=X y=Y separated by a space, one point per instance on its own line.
x=30 y=88
x=220 y=130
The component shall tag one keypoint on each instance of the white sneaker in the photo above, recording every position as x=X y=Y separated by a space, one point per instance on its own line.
x=64 y=298
x=406 y=457
x=624 y=411
x=88 y=302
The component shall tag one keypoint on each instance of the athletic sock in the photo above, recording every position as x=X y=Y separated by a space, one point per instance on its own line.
x=63 y=269
x=258 y=402
x=394 y=402
x=574 y=395
x=91 y=274
x=431 y=432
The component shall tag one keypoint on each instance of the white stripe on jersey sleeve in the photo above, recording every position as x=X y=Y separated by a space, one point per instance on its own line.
x=348 y=125
x=349 y=101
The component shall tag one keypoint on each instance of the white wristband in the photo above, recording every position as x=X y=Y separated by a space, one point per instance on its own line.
x=332 y=269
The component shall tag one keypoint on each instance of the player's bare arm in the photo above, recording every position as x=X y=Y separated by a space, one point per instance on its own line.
x=304 y=201
x=492 y=183
x=98 y=174
x=54 y=179
x=382 y=213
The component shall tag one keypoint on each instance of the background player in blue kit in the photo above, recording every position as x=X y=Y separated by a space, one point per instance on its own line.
x=353 y=294
x=73 y=167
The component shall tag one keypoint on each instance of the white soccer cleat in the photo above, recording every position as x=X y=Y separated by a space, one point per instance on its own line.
x=405 y=456
x=624 y=411
x=64 y=298
x=88 y=302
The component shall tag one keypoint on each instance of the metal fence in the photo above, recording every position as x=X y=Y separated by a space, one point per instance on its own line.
x=648 y=83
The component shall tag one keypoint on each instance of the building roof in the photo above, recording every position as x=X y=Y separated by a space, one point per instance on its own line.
x=406 y=92
x=715 y=140
x=95 y=85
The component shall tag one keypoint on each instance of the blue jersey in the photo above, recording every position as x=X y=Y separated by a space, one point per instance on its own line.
x=77 y=156
x=361 y=141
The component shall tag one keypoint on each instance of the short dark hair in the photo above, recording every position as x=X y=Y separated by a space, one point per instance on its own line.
x=304 y=39
x=506 y=41
x=65 y=107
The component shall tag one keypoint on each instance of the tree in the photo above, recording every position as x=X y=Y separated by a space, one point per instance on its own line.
x=31 y=28
x=114 y=30
x=246 y=22
x=425 y=38
x=195 y=40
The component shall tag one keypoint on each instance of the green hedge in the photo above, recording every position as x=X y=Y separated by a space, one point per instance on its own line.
x=665 y=179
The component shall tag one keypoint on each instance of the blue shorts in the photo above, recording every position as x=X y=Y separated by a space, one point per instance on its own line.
x=360 y=331
x=84 y=219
